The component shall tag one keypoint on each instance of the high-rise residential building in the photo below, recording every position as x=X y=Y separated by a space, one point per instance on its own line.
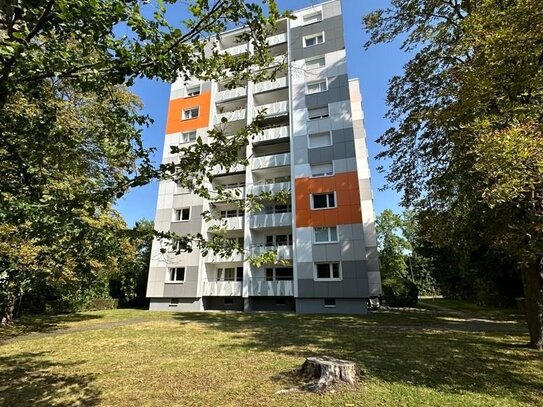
x=313 y=145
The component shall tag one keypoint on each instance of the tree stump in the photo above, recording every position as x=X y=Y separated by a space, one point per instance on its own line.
x=329 y=371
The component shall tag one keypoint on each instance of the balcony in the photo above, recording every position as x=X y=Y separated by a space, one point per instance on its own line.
x=283 y=252
x=274 y=188
x=238 y=49
x=234 y=223
x=231 y=116
x=276 y=39
x=261 y=287
x=267 y=86
x=217 y=258
x=272 y=133
x=222 y=288
x=270 y=161
x=272 y=109
x=230 y=94
x=218 y=170
x=271 y=220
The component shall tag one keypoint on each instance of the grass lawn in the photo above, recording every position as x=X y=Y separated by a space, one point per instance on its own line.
x=139 y=358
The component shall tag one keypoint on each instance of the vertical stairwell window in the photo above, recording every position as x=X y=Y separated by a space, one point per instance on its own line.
x=191 y=113
x=320 y=112
x=314 y=39
x=323 y=201
x=320 y=139
x=313 y=18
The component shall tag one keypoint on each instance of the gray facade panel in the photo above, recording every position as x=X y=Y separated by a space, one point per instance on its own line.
x=343 y=306
x=184 y=305
x=333 y=38
x=338 y=91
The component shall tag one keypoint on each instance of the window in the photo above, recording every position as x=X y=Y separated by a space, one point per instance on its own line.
x=176 y=275
x=320 y=139
x=322 y=170
x=279 y=240
x=329 y=302
x=315 y=39
x=279 y=274
x=228 y=301
x=327 y=271
x=193 y=91
x=324 y=201
x=188 y=137
x=230 y=274
x=315 y=63
x=270 y=209
x=320 y=112
x=313 y=18
x=325 y=234
x=280 y=302
x=174 y=302
x=232 y=213
x=191 y=113
x=182 y=215
x=316 y=86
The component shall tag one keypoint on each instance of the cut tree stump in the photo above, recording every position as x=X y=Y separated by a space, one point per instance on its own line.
x=329 y=371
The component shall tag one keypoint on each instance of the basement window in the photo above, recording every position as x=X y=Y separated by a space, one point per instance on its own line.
x=330 y=302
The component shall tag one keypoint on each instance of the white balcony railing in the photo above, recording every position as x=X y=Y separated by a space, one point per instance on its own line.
x=274 y=188
x=231 y=94
x=261 y=287
x=266 y=86
x=234 y=223
x=217 y=258
x=283 y=252
x=268 y=161
x=271 y=220
x=272 y=108
x=230 y=116
x=272 y=134
x=237 y=49
x=220 y=170
x=222 y=288
x=276 y=39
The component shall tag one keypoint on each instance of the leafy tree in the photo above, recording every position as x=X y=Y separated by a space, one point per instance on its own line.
x=467 y=144
x=70 y=131
x=392 y=244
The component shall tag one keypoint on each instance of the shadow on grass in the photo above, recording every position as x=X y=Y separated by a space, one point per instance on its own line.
x=427 y=355
x=29 y=379
x=41 y=324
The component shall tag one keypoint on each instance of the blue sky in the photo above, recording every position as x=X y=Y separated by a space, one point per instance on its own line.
x=373 y=68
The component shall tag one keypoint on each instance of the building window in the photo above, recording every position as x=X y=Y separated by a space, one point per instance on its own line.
x=182 y=215
x=279 y=240
x=228 y=301
x=330 y=302
x=193 y=91
x=315 y=39
x=176 y=275
x=280 y=302
x=188 y=136
x=317 y=86
x=279 y=274
x=315 y=63
x=322 y=170
x=313 y=18
x=320 y=139
x=230 y=274
x=325 y=234
x=277 y=208
x=232 y=213
x=314 y=113
x=174 y=302
x=191 y=113
x=324 y=201
x=327 y=271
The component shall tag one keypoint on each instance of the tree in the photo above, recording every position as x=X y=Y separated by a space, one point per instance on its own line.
x=70 y=131
x=467 y=143
x=392 y=244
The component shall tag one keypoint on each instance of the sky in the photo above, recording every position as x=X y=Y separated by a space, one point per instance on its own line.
x=374 y=68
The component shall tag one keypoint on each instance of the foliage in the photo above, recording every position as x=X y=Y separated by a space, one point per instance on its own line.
x=400 y=292
x=392 y=244
x=466 y=147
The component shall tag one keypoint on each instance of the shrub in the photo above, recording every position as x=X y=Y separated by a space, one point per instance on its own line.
x=400 y=292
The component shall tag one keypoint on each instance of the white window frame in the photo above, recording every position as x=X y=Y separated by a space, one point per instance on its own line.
x=327 y=201
x=309 y=60
x=175 y=281
x=323 y=175
x=309 y=37
x=317 y=82
x=309 y=118
x=191 y=109
x=330 y=265
x=317 y=14
x=316 y=134
x=191 y=92
x=181 y=214
x=188 y=133
x=328 y=229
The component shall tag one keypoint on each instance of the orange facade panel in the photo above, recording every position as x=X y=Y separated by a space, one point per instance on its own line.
x=175 y=122
x=348 y=211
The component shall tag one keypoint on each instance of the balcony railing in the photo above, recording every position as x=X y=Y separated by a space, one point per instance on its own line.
x=222 y=288
x=217 y=258
x=266 y=86
x=271 y=220
x=261 y=287
x=274 y=188
x=238 y=49
x=272 y=134
x=234 y=223
x=217 y=170
x=231 y=116
x=231 y=94
x=269 y=161
x=283 y=252
x=272 y=108
x=276 y=39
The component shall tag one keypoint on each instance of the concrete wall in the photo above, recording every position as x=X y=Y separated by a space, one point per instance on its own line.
x=217 y=303
x=343 y=306
x=270 y=304
x=184 y=305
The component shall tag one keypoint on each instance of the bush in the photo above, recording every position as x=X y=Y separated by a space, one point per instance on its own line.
x=400 y=292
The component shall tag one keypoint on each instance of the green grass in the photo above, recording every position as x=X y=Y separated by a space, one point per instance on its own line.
x=234 y=359
x=478 y=310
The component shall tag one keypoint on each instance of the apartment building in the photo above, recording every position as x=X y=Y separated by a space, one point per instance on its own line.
x=313 y=145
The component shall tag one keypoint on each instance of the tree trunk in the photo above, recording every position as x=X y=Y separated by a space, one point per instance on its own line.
x=532 y=279
x=329 y=371
x=6 y=310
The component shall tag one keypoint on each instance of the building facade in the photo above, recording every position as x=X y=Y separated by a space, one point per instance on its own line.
x=313 y=145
